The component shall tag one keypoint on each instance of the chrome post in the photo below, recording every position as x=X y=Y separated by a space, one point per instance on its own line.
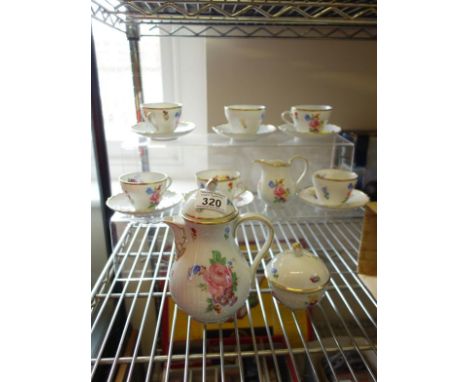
x=133 y=37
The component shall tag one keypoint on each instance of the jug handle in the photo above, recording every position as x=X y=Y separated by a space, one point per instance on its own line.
x=268 y=241
x=306 y=167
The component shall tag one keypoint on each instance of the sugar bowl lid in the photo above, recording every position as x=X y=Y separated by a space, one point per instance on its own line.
x=298 y=270
x=219 y=209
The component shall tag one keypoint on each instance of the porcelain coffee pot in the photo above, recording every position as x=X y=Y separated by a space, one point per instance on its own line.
x=276 y=184
x=210 y=279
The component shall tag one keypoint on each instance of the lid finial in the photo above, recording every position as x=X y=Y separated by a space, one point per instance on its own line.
x=297 y=248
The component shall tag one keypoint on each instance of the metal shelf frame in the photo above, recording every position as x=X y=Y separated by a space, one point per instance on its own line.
x=342 y=326
x=131 y=299
x=242 y=18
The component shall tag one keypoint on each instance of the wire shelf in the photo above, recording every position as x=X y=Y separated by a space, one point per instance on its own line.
x=138 y=333
x=242 y=18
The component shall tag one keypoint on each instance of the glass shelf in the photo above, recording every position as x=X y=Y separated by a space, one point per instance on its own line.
x=276 y=139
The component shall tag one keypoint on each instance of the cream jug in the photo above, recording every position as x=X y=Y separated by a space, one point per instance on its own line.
x=276 y=184
x=210 y=279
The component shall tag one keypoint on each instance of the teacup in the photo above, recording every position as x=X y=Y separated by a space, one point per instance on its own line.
x=164 y=116
x=145 y=189
x=227 y=182
x=245 y=119
x=333 y=187
x=308 y=118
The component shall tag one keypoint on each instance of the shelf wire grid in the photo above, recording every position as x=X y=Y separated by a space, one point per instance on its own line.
x=154 y=340
x=245 y=18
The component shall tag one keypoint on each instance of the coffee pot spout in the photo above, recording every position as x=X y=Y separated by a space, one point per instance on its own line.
x=178 y=227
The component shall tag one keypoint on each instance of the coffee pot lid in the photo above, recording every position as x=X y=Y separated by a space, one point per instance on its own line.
x=298 y=270
x=207 y=206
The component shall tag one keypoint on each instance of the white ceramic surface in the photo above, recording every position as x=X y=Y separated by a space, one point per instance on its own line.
x=333 y=186
x=276 y=184
x=164 y=116
x=357 y=199
x=308 y=117
x=297 y=277
x=121 y=203
x=227 y=131
x=227 y=181
x=210 y=279
x=145 y=189
x=327 y=131
x=245 y=119
x=147 y=130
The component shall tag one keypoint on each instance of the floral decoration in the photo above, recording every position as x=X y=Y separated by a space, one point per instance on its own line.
x=274 y=272
x=315 y=124
x=177 y=115
x=350 y=191
x=315 y=278
x=226 y=232
x=180 y=242
x=219 y=281
x=193 y=232
x=230 y=185
x=165 y=115
x=326 y=193
x=312 y=300
x=155 y=195
x=280 y=192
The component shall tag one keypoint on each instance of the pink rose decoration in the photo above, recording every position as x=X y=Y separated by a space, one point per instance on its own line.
x=155 y=198
x=219 y=278
x=315 y=123
x=279 y=191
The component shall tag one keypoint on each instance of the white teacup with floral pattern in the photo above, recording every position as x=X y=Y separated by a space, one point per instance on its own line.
x=333 y=187
x=145 y=189
x=164 y=116
x=308 y=118
x=227 y=182
x=245 y=119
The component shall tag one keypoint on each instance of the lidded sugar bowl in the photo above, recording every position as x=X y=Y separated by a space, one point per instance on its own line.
x=297 y=277
x=210 y=279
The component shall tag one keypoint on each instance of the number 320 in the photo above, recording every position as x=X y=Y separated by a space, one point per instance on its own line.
x=211 y=202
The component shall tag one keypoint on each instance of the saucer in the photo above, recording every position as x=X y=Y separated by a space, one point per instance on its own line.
x=357 y=199
x=226 y=131
x=147 y=130
x=327 y=131
x=244 y=199
x=120 y=203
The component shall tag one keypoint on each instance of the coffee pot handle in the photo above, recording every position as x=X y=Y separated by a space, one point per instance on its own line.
x=306 y=167
x=266 y=246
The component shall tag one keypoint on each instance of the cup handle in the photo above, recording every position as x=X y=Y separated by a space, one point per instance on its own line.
x=168 y=183
x=268 y=241
x=289 y=119
x=241 y=188
x=306 y=167
x=149 y=118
